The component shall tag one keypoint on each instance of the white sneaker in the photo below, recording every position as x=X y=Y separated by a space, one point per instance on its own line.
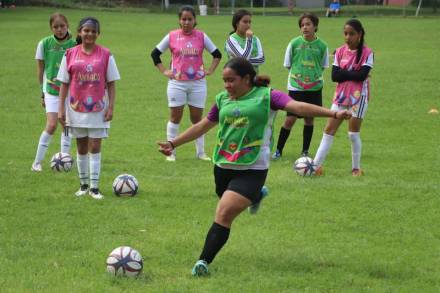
x=36 y=167
x=171 y=158
x=83 y=190
x=203 y=157
x=94 y=192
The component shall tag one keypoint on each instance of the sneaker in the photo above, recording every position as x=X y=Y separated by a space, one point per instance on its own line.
x=94 y=192
x=83 y=189
x=200 y=269
x=203 y=157
x=319 y=171
x=276 y=155
x=357 y=172
x=253 y=208
x=36 y=167
x=171 y=158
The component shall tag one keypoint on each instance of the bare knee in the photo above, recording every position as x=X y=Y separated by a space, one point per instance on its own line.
x=289 y=122
x=51 y=126
x=224 y=216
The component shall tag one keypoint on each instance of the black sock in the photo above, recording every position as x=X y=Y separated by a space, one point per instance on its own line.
x=216 y=238
x=282 y=138
x=307 y=137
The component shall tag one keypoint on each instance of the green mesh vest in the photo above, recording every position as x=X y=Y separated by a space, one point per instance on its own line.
x=53 y=54
x=242 y=123
x=242 y=42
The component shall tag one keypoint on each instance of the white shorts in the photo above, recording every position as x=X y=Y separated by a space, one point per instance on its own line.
x=192 y=92
x=80 y=132
x=51 y=103
x=357 y=111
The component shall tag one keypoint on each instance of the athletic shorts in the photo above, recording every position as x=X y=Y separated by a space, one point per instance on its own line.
x=51 y=103
x=80 y=132
x=248 y=183
x=310 y=97
x=357 y=111
x=192 y=92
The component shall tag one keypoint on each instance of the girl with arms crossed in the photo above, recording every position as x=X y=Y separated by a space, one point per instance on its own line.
x=88 y=73
x=242 y=42
x=244 y=112
x=49 y=53
x=187 y=82
x=353 y=62
x=306 y=57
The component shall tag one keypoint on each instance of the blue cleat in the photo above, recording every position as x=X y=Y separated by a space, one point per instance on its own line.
x=253 y=208
x=276 y=155
x=200 y=269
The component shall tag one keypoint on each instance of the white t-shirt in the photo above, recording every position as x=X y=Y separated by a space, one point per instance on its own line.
x=93 y=119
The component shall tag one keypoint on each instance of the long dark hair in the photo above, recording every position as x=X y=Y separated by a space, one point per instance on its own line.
x=237 y=17
x=243 y=67
x=191 y=10
x=357 y=26
x=84 y=21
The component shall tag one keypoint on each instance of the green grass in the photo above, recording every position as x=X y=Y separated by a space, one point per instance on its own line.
x=377 y=233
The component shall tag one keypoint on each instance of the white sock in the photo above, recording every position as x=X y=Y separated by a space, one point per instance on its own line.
x=200 y=145
x=95 y=169
x=324 y=148
x=82 y=162
x=356 y=148
x=43 y=144
x=172 y=131
x=65 y=143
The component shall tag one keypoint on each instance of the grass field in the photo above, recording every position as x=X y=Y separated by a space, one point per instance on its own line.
x=377 y=233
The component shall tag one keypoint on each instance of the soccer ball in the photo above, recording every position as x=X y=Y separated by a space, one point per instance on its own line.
x=125 y=185
x=61 y=162
x=124 y=261
x=304 y=166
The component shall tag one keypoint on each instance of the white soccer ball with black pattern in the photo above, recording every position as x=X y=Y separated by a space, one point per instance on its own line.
x=304 y=166
x=125 y=185
x=61 y=162
x=124 y=261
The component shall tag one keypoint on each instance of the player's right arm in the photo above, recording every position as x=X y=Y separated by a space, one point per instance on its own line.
x=64 y=77
x=155 y=55
x=188 y=135
x=39 y=56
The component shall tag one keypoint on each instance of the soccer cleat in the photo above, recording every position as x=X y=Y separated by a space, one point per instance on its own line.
x=306 y=154
x=83 y=189
x=276 y=155
x=253 y=208
x=357 y=172
x=319 y=171
x=203 y=157
x=94 y=192
x=200 y=269
x=171 y=158
x=36 y=167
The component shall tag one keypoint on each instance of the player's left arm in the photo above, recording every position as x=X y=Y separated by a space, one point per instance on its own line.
x=259 y=59
x=216 y=55
x=111 y=90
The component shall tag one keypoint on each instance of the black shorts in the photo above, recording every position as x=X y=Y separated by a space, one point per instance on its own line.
x=245 y=182
x=310 y=97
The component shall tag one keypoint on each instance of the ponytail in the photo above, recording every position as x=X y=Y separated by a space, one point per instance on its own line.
x=261 y=81
x=357 y=26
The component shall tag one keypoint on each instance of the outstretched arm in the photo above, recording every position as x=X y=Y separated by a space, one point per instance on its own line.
x=188 y=135
x=310 y=110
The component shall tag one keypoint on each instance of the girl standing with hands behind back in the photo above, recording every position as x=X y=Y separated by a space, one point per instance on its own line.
x=88 y=73
x=353 y=62
x=49 y=53
x=187 y=82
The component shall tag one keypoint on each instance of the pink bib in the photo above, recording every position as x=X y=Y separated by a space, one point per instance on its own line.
x=187 y=54
x=348 y=93
x=87 y=78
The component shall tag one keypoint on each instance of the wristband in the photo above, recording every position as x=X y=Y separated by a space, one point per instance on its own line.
x=172 y=144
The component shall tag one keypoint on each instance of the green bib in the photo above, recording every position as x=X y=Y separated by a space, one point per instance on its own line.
x=242 y=123
x=306 y=64
x=53 y=54
x=242 y=42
